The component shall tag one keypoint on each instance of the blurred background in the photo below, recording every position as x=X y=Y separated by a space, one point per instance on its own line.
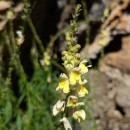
x=32 y=37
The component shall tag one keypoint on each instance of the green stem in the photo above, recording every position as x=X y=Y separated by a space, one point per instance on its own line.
x=14 y=51
x=7 y=42
x=58 y=66
x=35 y=34
x=86 y=16
x=37 y=39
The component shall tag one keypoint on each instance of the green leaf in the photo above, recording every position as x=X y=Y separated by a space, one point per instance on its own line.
x=19 y=122
x=8 y=112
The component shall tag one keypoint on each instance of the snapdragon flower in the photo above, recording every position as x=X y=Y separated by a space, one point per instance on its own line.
x=78 y=115
x=64 y=83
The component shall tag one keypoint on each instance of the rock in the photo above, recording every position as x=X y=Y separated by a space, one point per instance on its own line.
x=112 y=113
x=111 y=94
x=123 y=96
x=120 y=59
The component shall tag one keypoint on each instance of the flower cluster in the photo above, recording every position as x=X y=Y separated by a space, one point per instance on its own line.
x=46 y=60
x=47 y=54
x=71 y=83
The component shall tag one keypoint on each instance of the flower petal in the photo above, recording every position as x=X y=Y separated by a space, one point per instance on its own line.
x=72 y=101
x=55 y=111
x=82 y=91
x=83 y=67
x=75 y=76
x=66 y=88
x=82 y=114
x=66 y=123
x=64 y=83
x=59 y=106
x=78 y=115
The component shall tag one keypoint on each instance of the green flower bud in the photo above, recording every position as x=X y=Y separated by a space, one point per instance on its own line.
x=10 y=15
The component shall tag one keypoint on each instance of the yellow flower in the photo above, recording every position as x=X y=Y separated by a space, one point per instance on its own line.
x=82 y=90
x=64 y=83
x=78 y=115
x=75 y=76
x=59 y=106
x=73 y=102
x=83 y=67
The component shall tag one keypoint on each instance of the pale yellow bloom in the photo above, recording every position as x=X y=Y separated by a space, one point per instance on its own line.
x=73 y=101
x=75 y=76
x=63 y=84
x=59 y=106
x=83 y=67
x=66 y=123
x=82 y=91
x=78 y=115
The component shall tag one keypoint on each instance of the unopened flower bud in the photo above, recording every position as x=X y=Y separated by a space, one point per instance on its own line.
x=78 y=55
x=72 y=49
x=20 y=37
x=10 y=15
x=70 y=58
x=68 y=43
x=63 y=58
x=78 y=46
x=76 y=62
x=64 y=52
x=69 y=67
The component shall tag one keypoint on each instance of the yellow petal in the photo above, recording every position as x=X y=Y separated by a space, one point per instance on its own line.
x=83 y=67
x=66 y=88
x=75 y=76
x=82 y=114
x=64 y=83
x=72 y=101
x=59 y=106
x=82 y=91
x=78 y=115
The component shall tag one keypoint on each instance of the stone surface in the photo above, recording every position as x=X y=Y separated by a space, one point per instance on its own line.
x=111 y=108
x=120 y=59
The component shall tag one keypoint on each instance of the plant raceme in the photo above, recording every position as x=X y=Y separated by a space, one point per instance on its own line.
x=71 y=83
